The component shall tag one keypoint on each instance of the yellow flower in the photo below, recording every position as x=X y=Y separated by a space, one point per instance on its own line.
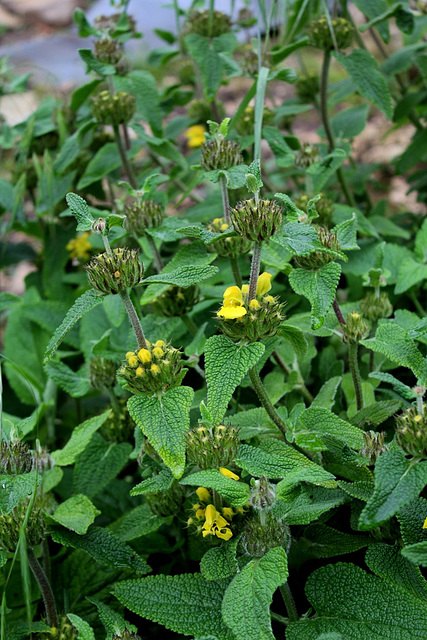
x=269 y=298
x=425 y=524
x=254 y=304
x=245 y=288
x=155 y=369
x=159 y=343
x=133 y=361
x=195 y=136
x=228 y=474
x=200 y=514
x=228 y=512
x=224 y=226
x=264 y=283
x=129 y=354
x=231 y=313
x=79 y=247
x=215 y=524
x=233 y=295
x=144 y=355
x=158 y=351
x=233 y=304
x=140 y=371
x=203 y=494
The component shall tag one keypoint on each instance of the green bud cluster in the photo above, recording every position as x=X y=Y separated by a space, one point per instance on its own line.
x=112 y=273
x=113 y=108
x=15 y=457
x=307 y=86
x=47 y=141
x=166 y=503
x=257 y=221
x=100 y=138
x=210 y=26
x=213 y=447
x=119 y=427
x=324 y=207
x=220 y=154
x=142 y=215
x=319 y=33
x=263 y=494
x=411 y=432
x=264 y=532
x=307 y=155
x=64 y=631
x=154 y=369
x=102 y=373
x=11 y=524
x=245 y=123
x=127 y=634
x=260 y=322
x=246 y=18
x=176 y=301
x=108 y=51
x=109 y=23
x=234 y=247
x=375 y=306
x=249 y=60
x=355 y=328
x=374 y=446
x=318 y=259
x=199 y=111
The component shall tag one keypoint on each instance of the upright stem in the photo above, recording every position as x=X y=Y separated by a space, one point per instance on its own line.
x=338 y=312
x=225 y=200
x=45 y=589
x=236 y=271
x=289 y=601
x=190 y=324
x=301 y=386
x=126 y=164
x=353 y=349
x=154 y=249
x=265 y=400
x=134 y=320
x=114 y=402
x=253 y=278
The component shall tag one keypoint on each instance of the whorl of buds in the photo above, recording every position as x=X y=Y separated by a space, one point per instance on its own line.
x=355 y=328
x=156 y=368
x=246 y=18
x=324 y=207
x=411 y=432
x=307 y=155
x=176 y=301
x=375 y=306
x=307 y=86
x=220 y=154
x=374 y=446
x=64 y=631
x=102 y=373
x=109 y=23
x=203 y=23
x=11 y=524
x=234 y=246
x=112 y=273
x=318 y=259
x=113 y=108
x=319 y=33
x=264 y=532
x=108 y=51
x=257 y=221
x=250 y=62
x=119 y=426
x=142 y=215
x=166 y=503
x=263 y=494
x=127 y=634
x=15 y=457
x=214 y=447
x=245 y=123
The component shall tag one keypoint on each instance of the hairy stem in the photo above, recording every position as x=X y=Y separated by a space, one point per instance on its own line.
x=45 y=589
x=225 y=201
x=253 y=278
x=289 y=601
x=355 y=373
x=301 y=386
x=338 y=312
x=265 y=400
x=126 y=164
x=236 y=271
x=134 y=320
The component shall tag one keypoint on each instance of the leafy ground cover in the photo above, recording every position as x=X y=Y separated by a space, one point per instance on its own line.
x=213 y=386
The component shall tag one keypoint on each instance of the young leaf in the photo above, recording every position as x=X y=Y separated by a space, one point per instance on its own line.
x=318 y=287
x=226 y=363
x=220 y=562
x=75 y=384
x=416 y=553
x=79 y=439
x=14 y=488
x=160 y=482
x=85 y=631
x=247 y=600
x=300 y=239
x=77 y=513
x=165 y=421
x=234 y=493
x=322 y=422
x=391 y=340
x=114 y=623
x=295 y=337
x=98 y=464
x=183 y=276
x=137 y=522
x=80 y=210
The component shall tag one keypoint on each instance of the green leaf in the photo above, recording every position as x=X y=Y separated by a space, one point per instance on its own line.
x=321 y=171
x=220 y=562
x=391 y=341
x=98 y=464
x=15 y=488
x=311 y=502
x=235 y=176
x=359 y=605
x=136 y=523
x=411 y=519
x=226 y=364
x=67 y=379
x=77 y=513
x=326 y=396
x=114 y=623
x=79 y=439
x=321 y=422
x=105 y=160
x=409 y=274
x=183 y=276
x=88 y=301
x=301 y=239
x=246 y=604
x=104 y=547
x=318 y=287
x=326 y=542
x=348 y=123
x=165 y=421
x=80 y=210
x=187 y=604
x=85 y=631
x=376 y=413
x=399 y=387
x=276 y=459
x=367 y=78
x=387 y=562
x=397 y=482
x=416 y=553
x=347 y=234
x=234 y=493
x=93 y=64
x=295 y=337
x=372 y=9
x=413 y=153
x=160 y=482
x=141 y=84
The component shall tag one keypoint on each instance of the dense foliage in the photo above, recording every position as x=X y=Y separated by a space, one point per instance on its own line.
x=213 y=384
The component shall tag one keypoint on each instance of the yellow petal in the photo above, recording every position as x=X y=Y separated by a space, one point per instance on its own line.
x=144 y=355
x=228 y=512
x=133 y=361
x=228 y=474
x=254 y=304
x=158 y=351
x=211 y=515
x=221 y=522
x=264 y=283
x=245 y=288
x=233 y=293
x=200 y=514
x=230 y=313
x=425 y=524
x=159 y=343
x=203 y=494
x=155 y=369
x=224 y=534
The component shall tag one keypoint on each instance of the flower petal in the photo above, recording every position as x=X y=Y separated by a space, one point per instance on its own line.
x=230 y=313
x=264 y=283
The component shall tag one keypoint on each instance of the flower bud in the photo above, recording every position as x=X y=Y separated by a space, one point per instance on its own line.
x=113 y=108
x=411 y=432
x=307 y=155
x=355 y=328
x=324 y=207
x=220 y=154
x=374 y=446
x=234 y=246
x=176 y=301
x=307 y=86
x=263 y=494
x=109 y=23
x=245 y=124
x=126 y=634
x=246 y=18
x=318 y=259
x=112 y=273
x=264 y=532
x=375 y=306
x=319 y=33
x=11 y=524
x=257 y=221
x=108 y=51
x=156 y=368
x=15 y=457
x=211 y=448
x=208 y=25
x=142 y=215
x=119 y=426
x=102 y=373
x=64 y=631
x=166 y=503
